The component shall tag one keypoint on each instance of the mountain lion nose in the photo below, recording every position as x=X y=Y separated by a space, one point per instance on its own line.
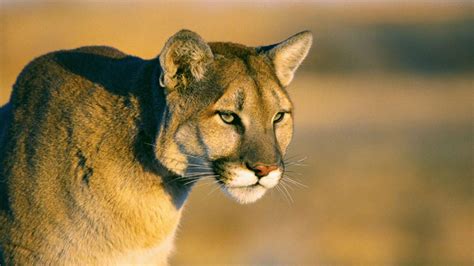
x=261 y=170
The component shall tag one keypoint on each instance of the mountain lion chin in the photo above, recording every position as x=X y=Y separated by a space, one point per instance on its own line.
x=245 y=195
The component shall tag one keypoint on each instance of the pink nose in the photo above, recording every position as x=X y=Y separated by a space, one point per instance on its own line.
x=262 y=169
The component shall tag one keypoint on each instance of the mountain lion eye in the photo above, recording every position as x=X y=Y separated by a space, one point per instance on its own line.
x=228 y=118
x=278 y=117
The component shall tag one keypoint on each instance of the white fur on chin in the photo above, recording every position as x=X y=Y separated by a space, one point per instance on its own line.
x=245 y=195
x=245 y=187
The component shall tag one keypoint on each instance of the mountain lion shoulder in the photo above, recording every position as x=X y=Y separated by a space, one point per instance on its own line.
x=99 y=149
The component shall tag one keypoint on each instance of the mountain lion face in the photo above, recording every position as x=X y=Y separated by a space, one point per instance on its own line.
x=231 y=116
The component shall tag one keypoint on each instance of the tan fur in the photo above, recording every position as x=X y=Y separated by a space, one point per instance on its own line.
x=97 y=159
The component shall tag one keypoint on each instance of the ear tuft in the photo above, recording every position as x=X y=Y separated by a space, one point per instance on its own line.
x=185 y=58
x=288 y=55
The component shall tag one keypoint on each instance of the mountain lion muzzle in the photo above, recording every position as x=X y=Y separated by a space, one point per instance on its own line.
x=99 y=149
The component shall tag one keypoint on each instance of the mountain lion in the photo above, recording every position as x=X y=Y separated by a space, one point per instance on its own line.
x=99 y=149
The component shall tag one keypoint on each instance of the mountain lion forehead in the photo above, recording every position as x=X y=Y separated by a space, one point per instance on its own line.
x=248 y=78
x=228 y=49
x=268 y=87
x=245 y=92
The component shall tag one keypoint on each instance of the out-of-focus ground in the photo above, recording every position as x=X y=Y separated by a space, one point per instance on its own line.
x=384 y=113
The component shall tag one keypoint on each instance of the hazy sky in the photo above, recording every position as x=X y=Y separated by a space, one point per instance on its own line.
x=234 y=1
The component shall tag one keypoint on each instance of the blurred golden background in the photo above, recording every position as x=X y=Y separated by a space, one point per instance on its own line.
x=384 y=111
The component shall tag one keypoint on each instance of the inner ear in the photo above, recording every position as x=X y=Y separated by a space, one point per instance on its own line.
x=184 y=59
x=288 y=55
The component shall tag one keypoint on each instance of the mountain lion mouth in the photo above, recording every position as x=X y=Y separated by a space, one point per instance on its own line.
x=244 y=186
x=248 y=186
x=245 y=194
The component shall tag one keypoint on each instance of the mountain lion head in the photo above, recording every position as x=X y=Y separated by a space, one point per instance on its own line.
x=229 y=116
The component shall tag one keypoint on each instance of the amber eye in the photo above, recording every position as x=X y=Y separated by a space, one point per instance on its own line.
x=227 y=117
x=278 y=117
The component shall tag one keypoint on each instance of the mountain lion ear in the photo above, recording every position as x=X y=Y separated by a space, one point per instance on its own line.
x=288 y=55
x=184 y=59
